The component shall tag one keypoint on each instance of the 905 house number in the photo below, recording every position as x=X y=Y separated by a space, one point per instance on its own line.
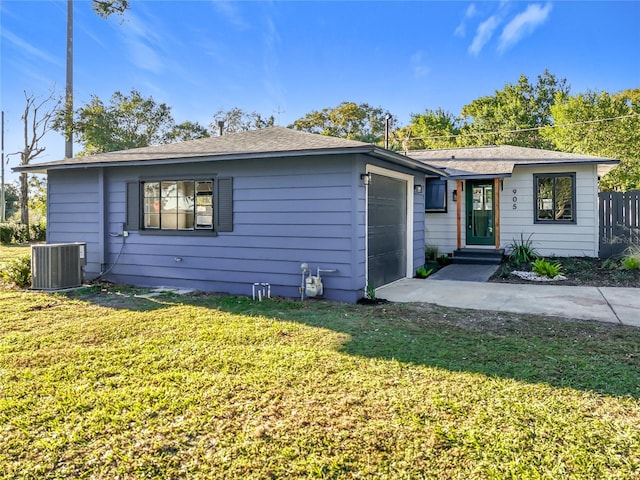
x=515 y=199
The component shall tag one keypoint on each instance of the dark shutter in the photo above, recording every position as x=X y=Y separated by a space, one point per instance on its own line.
x=224 y=204
x=133 y=206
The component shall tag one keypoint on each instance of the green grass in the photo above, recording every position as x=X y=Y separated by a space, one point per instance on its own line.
x=9 y=252
x=103 y=384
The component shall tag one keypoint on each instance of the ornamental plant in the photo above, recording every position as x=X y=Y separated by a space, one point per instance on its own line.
x=546 y=268
x=522 y=251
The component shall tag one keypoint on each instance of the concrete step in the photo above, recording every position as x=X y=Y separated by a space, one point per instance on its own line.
x=477 y=256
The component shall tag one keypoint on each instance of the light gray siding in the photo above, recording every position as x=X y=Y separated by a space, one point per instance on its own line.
x=579 y=239
x=517 y=215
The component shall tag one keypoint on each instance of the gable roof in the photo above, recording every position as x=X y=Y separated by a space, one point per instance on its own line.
x=264 y=143
x=500 y=160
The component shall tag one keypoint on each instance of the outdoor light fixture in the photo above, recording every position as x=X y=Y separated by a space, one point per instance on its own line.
x=417 y=188
x=455 y=195
x=366 y=178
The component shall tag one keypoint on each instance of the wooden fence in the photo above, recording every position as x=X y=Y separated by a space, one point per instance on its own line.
x=619 y=222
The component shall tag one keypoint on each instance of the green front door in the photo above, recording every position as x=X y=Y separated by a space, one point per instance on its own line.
x=480 y=212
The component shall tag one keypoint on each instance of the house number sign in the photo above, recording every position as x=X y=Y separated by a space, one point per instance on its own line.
x=515 y=199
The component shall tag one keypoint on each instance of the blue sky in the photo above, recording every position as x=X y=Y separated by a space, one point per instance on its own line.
x=289 y=58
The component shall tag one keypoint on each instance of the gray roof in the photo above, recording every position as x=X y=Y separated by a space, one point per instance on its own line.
x=498 y=161
x=264 y=143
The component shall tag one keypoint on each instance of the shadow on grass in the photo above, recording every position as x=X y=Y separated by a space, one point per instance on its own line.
x=582 y=355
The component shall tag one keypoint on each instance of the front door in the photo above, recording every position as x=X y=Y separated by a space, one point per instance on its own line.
x=480 y=213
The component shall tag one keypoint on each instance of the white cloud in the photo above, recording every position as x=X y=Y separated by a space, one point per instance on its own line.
x=418 y=66
x=483 y=34
x=461 y=29
x=230 y=12
x=523 y=24
x=27 y=49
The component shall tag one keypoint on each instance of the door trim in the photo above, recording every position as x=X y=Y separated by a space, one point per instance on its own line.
x=468 y=198
x=409 y=179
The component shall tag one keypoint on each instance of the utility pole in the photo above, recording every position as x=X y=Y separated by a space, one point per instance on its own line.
x=68 y=105
x=2 y=196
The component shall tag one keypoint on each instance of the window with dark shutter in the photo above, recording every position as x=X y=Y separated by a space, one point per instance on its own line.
x=435 y=195
x=194 y=206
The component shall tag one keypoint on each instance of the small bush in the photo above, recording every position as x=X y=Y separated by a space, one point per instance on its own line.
x=522 y=251
x=444 y=260
x=14 y=233
x=38 y=232
x=17 y=271
x=631 y=259
x=430 y=253
x=423 y=272
x=547 y=269
x=630 y=263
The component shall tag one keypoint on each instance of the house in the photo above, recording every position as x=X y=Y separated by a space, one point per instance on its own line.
x=495 y=195
x=220 y=214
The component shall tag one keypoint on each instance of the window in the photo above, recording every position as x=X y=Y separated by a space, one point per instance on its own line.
x=180 y=206
x=555 y=198
x=435 y=198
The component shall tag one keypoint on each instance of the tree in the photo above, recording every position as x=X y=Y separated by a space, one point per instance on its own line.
x=37 y=198
x=38 y=117
x=106 y=8
x=12 y=199
x=127 y=121
x=431 y=129
x=523 y=106
x=187 y=131
x=347 y=120
x=237 y=120
x=597 y=123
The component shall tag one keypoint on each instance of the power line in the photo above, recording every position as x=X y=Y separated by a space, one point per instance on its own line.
x=499 y=132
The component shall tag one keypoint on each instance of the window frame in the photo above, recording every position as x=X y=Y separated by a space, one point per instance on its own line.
x=441 y=181
x=554 y=221
x=221 y=205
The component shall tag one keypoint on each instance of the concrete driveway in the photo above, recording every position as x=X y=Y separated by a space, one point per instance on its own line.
x=604 y=304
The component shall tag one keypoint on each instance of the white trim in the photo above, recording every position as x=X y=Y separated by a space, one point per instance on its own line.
x=409 y=179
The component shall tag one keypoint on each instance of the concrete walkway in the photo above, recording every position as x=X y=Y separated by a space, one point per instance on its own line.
x=605 y=304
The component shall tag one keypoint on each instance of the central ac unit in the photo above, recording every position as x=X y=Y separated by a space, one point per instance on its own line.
x=56 y=266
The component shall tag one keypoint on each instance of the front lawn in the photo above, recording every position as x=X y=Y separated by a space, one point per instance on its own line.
x=105 y=384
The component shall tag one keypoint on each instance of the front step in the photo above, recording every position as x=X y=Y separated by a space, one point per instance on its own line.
x=478 y=256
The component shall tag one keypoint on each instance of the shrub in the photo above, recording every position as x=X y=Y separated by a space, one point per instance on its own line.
x=38 y=232
x=430 y=253
x=423 y=272
x=17 y=271
x=547 y=269
x=631 y=259
x=522 y=251
x=631 y=263
x=14 y=233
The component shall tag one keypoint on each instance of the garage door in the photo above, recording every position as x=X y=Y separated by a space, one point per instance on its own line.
x=387 y=230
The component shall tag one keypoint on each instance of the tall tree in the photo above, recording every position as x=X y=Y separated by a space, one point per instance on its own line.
x=237 y=120
x=348 y=120
x=431 y=129
x=597 y=123
x=128 y=121
x=187 y=131
x=37 y=118
x=522 y=106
